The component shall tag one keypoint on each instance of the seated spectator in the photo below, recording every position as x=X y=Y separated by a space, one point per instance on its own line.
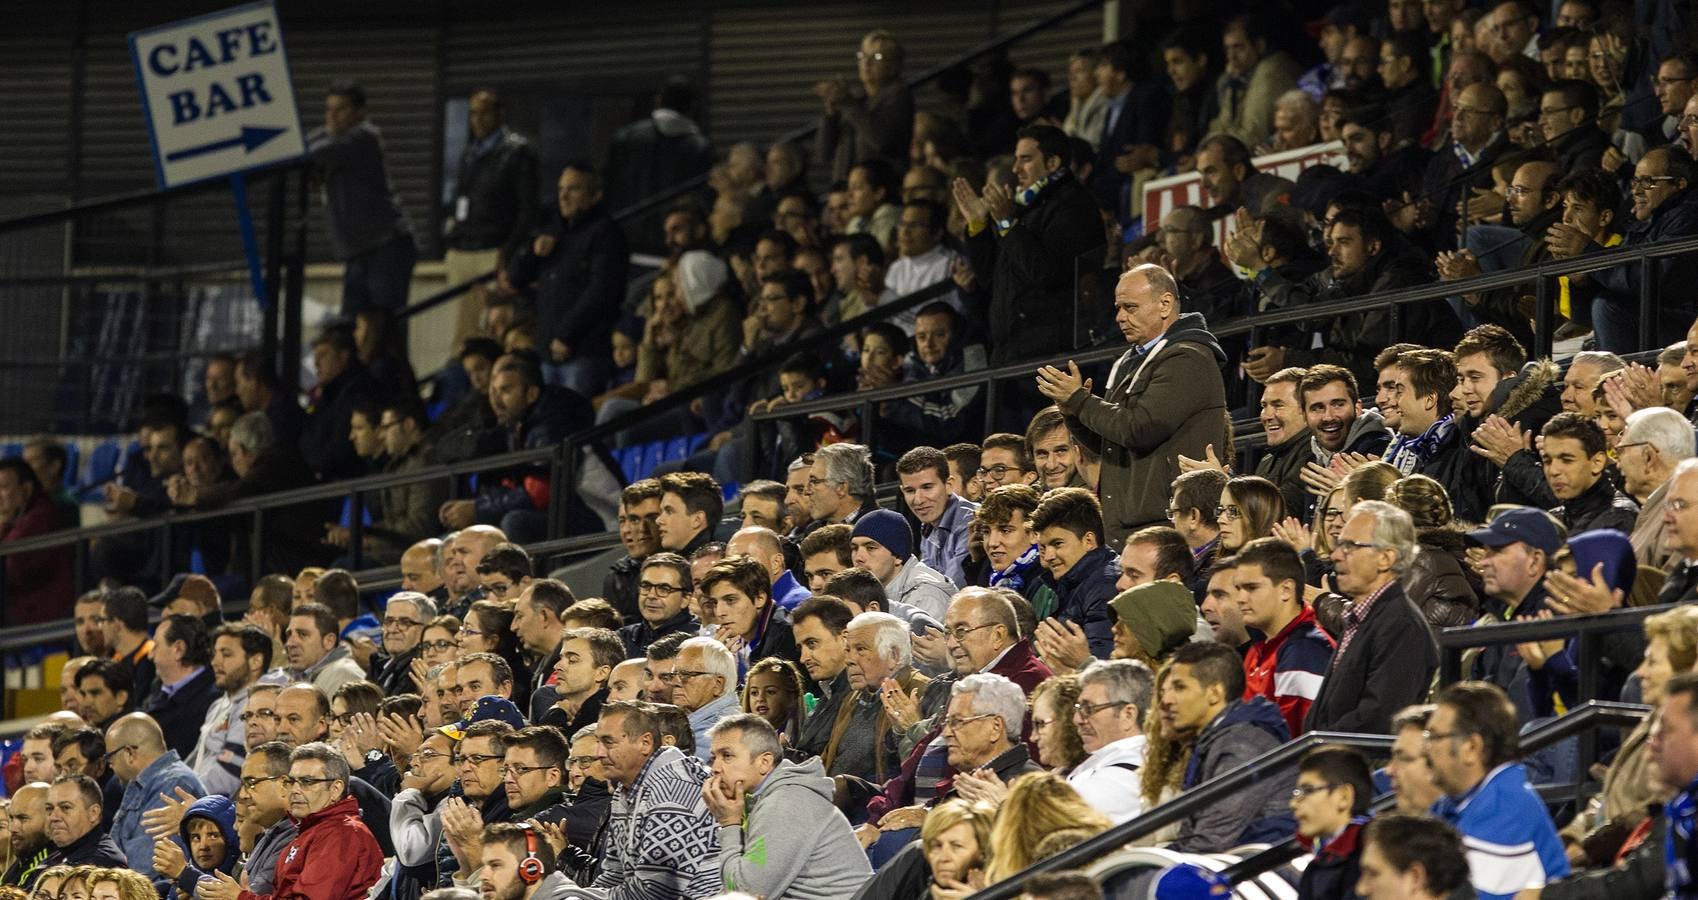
x=737 y=593
x=922 y=258
x=1027 y=250
x=1005 y=459
x=1290 y=663
x=1406 y=73
x=584 y=665
x=1662 y=208
x=1114 y=697
x=778 y=830
x=1052 y=450
x=704 y=685
x=1407 y=769
x=47 y=459
x=766 y=547
x=941 y=350
x=1428 y=439
x=950 y=853
x=1654 y=442
x=1255 y=76
x=1230 y=179
x=1296 y=121
x=773 y=690
x=1534 y=206
x=639 y=512
x=1576 y=463
x=840 y=485
x=1082 y=569
x=944 y=517
x=343 y=381
x=1202 y=696
x=27 y=815
x=73 y=826
x=1439 y=581
x=404 y=514
x=263 y=465
x=1472 y=745
x=1330 y=804
x=1185 y=246
x=879 y=660
x=1386 y=656
x=1132 y=135
x=1250 y=506
x=1188 y=55
x=1412 y=857
x=261 y=390
x=982 y=727
x=182 y=654
x=1011 y=546
x=884 y=544
x=1039 y=804
x=208 y=832
x=1173 y=365
x=315 y=652
x=151 y=773
x=1477 y=140
x=1366 y=259
x=1152 y=621
x=1054 y=732
x=38 y=585
x=661 y=841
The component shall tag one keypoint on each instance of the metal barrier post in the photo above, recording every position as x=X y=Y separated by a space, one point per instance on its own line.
x=356 y=528
x=1647 y=304
x=1542 y=336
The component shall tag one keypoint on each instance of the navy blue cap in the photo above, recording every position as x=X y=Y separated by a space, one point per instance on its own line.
x=1520 y=524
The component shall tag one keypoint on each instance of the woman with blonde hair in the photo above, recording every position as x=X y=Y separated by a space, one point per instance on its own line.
x=1059 y=746
x=1165 y=754
x=75 y=885
x=1038 y=803
x=130 y=885
x=1438 y=580
x=47 y=884
x=947 y=862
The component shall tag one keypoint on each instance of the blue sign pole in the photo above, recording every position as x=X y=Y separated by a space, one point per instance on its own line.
x=250 y=241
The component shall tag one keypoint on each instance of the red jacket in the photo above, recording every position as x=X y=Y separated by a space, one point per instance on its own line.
x=38 y=585
x=1288 y=668
x=334 y=857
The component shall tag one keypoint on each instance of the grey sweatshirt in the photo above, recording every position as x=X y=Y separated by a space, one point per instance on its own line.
x=793 y=842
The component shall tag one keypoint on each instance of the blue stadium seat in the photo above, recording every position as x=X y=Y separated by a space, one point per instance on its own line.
x=197 y=563
x=8 y=451
x=730 y=489
x=630 y=458
x=73 y=457
x=698 y=441
x=654 y=453
x=347 y=517
x=677 y=449
x=102 y=463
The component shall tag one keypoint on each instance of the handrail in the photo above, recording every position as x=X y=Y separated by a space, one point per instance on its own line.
x=1270 y=764
x=1585 y=629
x=935 y=72
x=1589 y=262
x=1585 y=717
x=143 y=197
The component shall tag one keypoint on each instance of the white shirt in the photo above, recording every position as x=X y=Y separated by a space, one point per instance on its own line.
x=911 y=273
x=1110 y=781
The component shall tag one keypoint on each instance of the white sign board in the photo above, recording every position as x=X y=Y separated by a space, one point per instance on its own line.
x=217 y=95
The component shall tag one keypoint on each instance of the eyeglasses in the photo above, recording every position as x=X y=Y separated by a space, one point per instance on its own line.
x=1348 y=546
x=1621 y=447
x=341 y=720
x=1647 y=182
x=581 y=762
x=1040 y=724
x=253 y=714
x=476 y=759
x=1229 y=512
x=678 y=676
x=1086 y=710
x=1678 y=505
x=1671 y=82
x=252 y=782
x=1331 y=513
x=1689 y=120
x=1430 y=736
x=400 y=624
x=521 y=771
x=998 y=471
x=424 y=756
x=291 y=781
x=1521 y=190
x=115 y=752
x=439 y=646
x=959 y=633
x=1304 y=790
x=469 y=632
x=658 y=590
x=956 y=723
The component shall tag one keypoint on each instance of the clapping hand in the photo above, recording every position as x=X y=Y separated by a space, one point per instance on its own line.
x=1209 y=461
x=1497 y=440
x=902 y=708
x=1573 y=596
x=1060 y=385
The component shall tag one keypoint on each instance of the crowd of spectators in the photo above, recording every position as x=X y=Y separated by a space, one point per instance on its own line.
x=790 y=689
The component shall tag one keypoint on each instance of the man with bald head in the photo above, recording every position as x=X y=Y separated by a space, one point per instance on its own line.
x=421 y=569
x=460 y=565
x=30 y=847
x=1164 y=397
x=1477 y=139
x=150 y=773
x=764 y=546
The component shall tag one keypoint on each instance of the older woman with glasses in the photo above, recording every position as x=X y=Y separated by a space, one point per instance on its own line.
x=1059 y=746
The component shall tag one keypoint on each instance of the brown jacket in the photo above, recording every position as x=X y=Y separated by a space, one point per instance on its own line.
x=1174 y=403
x=706 y=345
x=910 y=680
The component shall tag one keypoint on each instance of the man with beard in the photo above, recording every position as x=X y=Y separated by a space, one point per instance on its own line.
x=1337 y=423
x=518 y=864
x=240 y=655
x=30 y=848
x=1367 y=258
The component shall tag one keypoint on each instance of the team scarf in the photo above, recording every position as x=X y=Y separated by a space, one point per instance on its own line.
x=1014 y=577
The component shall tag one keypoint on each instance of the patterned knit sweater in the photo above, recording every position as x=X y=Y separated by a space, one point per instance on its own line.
x=662 y=844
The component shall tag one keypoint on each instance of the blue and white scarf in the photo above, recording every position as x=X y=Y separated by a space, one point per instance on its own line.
x=1014 y=577
x=1406 y=453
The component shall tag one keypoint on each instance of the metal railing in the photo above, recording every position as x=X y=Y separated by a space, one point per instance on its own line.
x=1588 y=717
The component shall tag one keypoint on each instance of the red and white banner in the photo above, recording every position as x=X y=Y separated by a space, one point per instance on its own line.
x=1161 y=195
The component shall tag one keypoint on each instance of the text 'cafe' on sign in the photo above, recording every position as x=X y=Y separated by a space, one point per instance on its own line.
x=217 y=94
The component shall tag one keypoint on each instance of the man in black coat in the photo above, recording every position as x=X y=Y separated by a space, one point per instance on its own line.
x=343 y=381
x=495 y=205
x=1386 y=655
x=1028 y=243
x=576 y=267
x=662 y=149
x=264 y=466
x=187 y=688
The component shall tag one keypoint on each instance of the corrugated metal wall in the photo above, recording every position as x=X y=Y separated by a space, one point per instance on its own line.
x=755 y=60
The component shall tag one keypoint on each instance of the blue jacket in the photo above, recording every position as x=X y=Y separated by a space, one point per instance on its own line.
x=1082 y=598
x=221 y=811
x=163 y=776
x=787 y=592
x=1508 y=836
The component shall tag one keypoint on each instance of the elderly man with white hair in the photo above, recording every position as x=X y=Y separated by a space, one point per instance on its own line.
x=1653 y=443
x=1386 y=656
x=704 y=685
x=982 y=729
x=879 y=664
x=1680 y=529
x=1114 y=695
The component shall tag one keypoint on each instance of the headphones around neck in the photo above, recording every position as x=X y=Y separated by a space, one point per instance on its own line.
x=530 y=868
